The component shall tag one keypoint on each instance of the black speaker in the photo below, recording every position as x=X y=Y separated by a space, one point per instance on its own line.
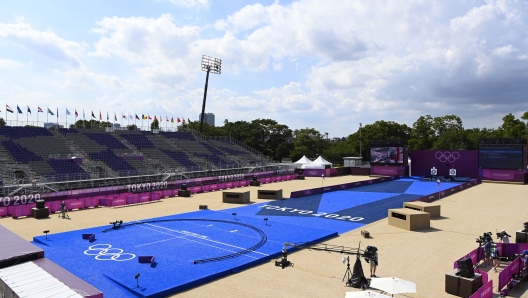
x=40 y=204
x=465 y=267
x=183 y=187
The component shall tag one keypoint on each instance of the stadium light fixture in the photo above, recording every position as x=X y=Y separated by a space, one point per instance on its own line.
x=209 y=64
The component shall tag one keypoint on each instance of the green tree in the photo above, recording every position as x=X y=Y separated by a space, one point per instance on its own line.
x=512 y=127
x=309 y=142
x=154 y=124
x=131 y=127
x=423 y=134
x=2 y=122
x=379 y=130
x=449 y=132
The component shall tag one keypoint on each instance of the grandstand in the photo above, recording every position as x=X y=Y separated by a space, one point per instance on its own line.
x=69 y=158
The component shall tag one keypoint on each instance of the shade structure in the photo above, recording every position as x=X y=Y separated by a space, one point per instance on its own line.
x=393 y=285
x=361 y=294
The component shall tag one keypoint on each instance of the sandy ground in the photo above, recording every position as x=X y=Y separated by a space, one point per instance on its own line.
x=422 y=257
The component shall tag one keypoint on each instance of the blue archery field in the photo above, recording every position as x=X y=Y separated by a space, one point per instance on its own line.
x=176 y=244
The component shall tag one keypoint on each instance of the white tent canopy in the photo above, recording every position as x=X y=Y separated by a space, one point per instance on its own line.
x=303 y=160
x=321 y=161
x=312 y=166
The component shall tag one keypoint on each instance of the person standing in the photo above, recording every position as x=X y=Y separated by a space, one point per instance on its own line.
x=373 y=264
x=487 y=252
x=494 y=253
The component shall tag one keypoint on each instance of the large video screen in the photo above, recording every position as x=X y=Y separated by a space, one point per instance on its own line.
x=386 y=155
x=501 y=156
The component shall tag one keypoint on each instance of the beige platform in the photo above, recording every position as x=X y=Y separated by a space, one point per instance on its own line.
x=409 y=219
x=235 y=197
x=269 y=194
x=433 y=209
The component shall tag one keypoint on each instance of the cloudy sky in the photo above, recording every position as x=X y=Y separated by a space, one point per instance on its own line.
x=326 y=64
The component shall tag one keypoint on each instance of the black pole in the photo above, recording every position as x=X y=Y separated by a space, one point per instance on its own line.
x=205 y=96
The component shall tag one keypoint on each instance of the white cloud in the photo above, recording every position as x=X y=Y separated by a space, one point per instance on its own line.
x=45 y=43
x=10 y=64
x=191 y=3
x=504 y=51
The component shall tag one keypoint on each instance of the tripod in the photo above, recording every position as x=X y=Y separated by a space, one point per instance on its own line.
x=64 y=213
x=348 y=273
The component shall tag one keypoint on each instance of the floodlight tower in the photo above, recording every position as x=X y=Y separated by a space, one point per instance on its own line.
x=209 y=64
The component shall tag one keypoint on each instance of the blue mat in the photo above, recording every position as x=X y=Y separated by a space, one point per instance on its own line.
x=111 y=261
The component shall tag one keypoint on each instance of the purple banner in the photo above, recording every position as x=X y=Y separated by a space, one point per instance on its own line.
x=506 y=274
x=314 y=172
x=486 y=291
x=389 y=170
x=320 y=190
x=444 y=193
x=464 y=161
x=502 y=175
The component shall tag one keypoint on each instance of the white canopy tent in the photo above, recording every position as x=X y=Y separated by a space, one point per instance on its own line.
x=312 y=166
x=321 y=161
x=302 y=161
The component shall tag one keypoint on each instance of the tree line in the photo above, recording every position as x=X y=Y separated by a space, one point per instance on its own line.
x=427 y=133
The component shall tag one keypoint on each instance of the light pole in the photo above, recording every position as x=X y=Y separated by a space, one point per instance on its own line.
x=360 y=142
x=209 y=64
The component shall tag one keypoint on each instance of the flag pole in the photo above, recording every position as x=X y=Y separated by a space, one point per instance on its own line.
x=17 y=116
x=47 y=115
x=37 y=116
x=66 y=118
x=27 y=117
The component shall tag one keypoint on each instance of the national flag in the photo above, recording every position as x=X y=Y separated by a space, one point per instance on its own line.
x=143 y=117
x=124 y=116
x=100 y=116
x=8 y=108
x=149 y=117
x=76 y=114
x=161 y=119
x=57 y=112
x=167 y=118
x=172 y=119
x=179 y=120
x=107 y=118
x=93 y=116
x=183 y=120
x=137 y=117
x=155 y=118
x=19 y=110
x=50 y=112
x=115 y=117
x=188 y=120
x=130 y=116
x=83 y=113
x=39 y=110
x=29 y=110
x=68 y=112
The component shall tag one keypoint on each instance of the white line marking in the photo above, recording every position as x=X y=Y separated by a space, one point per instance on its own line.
x=218 y=242
x=184 y=238
x=158 y=241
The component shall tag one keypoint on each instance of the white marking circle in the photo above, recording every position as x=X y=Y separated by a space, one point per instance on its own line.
x=105 y=252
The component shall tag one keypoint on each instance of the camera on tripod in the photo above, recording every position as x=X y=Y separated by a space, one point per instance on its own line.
x=485 y=236
x=502 y=234
x=370 y=254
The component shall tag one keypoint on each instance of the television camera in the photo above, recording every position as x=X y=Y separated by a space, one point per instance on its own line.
x=370 y=254
x=502 y=234
x=485 y=236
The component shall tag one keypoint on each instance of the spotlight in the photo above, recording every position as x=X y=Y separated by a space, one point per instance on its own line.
x=234 y=215
x=266 y=220
x=137 y=280
x=46 y=232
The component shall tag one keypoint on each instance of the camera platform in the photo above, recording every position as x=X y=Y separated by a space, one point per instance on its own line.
x=409 y=219
x=433 y=209
x=40 y=212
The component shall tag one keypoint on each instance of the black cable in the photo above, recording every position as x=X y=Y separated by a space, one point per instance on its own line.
x=263 y=237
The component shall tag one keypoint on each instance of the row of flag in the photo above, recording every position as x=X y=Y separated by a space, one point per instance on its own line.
x=128 y=117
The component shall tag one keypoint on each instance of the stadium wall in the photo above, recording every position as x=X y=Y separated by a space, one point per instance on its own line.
x=464 y=161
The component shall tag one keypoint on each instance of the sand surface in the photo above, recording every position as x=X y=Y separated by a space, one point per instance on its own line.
x=422 y=257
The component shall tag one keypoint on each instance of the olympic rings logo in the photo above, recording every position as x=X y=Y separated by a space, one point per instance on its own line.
x=105 y=252
x=312 y=172
x=447 y=156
